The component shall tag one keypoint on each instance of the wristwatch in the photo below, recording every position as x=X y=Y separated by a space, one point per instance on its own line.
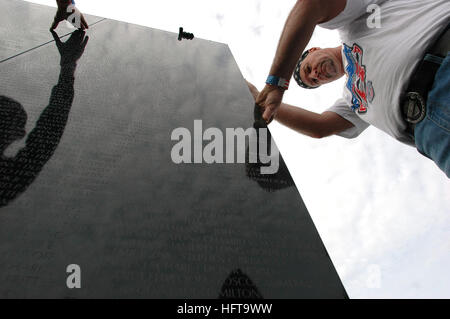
x=277 y=81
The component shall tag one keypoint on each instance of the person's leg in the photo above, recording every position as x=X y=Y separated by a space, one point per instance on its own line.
x=432 y=135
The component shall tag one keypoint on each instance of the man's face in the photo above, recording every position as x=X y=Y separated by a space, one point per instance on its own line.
x=320 y=67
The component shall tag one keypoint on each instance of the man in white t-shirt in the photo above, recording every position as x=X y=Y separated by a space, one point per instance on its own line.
x=379 y=62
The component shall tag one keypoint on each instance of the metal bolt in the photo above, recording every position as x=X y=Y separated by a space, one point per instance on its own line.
x=185 y=35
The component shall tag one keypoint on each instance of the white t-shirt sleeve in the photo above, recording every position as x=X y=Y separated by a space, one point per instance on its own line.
x=353 y=10
x=341 y=108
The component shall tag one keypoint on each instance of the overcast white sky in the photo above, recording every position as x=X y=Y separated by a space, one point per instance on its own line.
x=381 y=208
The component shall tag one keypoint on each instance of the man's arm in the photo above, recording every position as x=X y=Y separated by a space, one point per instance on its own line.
x=298 y=30
x=307 y=122
x=310 y=123
x=296 y=34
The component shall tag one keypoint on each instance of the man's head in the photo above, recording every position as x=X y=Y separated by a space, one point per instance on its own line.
x=319 y=66
x=12 y=121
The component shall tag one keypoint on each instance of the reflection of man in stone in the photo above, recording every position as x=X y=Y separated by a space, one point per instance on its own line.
x=17 y=173
x=67 y=11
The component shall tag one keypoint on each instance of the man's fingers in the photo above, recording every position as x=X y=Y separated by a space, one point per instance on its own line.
x=253 y=90
x=55 y=24
x=268 y=114
x=56 y=38
x=60 y=16
x=84 y=24
x=85 y=42
x=250 y=86
x=260 y=99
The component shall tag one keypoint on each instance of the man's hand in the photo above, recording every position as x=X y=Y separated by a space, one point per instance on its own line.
x=270 y=100
x=62 y=14
x=72 y=50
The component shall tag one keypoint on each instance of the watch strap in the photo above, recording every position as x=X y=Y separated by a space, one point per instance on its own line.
x=277 y=81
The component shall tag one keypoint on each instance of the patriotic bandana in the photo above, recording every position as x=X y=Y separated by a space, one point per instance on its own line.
x=297 y=77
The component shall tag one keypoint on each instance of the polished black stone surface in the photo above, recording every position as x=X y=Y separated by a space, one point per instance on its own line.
x=90 y=180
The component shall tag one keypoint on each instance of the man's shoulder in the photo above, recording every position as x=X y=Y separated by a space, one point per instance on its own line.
x=353 y=9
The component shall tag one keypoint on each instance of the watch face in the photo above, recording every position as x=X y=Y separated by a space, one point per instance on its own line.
x=272 y=80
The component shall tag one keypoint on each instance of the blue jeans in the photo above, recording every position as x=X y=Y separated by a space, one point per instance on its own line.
x=432 y=134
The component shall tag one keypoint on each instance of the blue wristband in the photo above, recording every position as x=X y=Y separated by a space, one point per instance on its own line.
x=277 y=81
